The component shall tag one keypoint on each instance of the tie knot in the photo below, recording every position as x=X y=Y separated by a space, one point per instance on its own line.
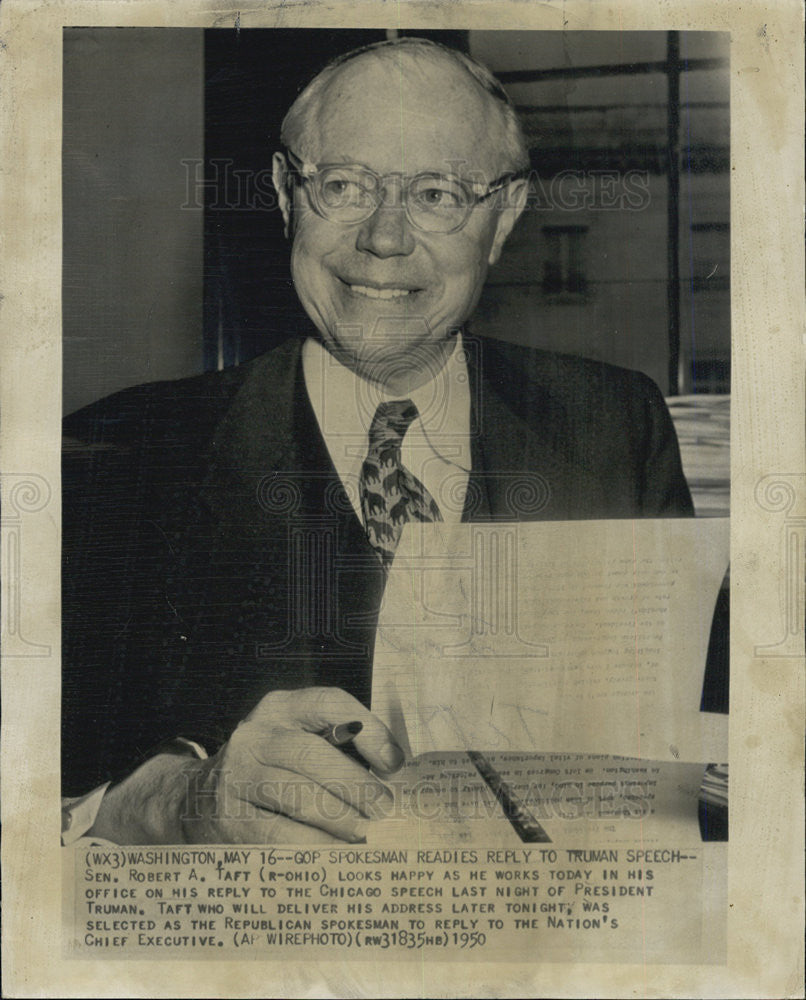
x=391 y=421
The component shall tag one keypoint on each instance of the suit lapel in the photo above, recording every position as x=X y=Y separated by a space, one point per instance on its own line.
x=516 y=452
x=254 y=442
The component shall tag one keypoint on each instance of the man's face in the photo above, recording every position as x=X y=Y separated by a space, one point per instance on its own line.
x=384 y=295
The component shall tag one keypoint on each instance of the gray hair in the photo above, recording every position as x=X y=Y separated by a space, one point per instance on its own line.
x=301 y=111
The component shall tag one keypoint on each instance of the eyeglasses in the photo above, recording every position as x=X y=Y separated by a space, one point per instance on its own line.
x=349 y=193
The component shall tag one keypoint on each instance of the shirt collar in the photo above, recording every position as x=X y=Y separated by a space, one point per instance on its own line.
x=345 y=403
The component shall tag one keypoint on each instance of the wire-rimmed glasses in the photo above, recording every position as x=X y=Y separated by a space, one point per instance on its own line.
x=350 y=193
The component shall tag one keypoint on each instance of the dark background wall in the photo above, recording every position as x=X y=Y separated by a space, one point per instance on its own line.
x=174 y=254
x=132 y=288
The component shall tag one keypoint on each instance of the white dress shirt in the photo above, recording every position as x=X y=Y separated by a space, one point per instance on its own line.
x=436 y=447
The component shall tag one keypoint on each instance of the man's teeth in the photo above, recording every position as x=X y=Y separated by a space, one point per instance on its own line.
x=380 y=293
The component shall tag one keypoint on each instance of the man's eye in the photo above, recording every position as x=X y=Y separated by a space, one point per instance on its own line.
x=340 y=189
x=438 y=197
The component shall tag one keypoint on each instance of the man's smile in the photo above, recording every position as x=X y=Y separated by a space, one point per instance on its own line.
x=379 y=293
x=375 y=290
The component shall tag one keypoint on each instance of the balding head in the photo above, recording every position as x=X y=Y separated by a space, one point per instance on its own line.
x=407 y=79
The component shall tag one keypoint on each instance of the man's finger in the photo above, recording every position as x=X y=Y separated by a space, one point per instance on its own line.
x=310 y=757
x=318 y=709
x=306 y=801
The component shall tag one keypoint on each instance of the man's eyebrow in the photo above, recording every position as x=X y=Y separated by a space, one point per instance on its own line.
x=472 y=176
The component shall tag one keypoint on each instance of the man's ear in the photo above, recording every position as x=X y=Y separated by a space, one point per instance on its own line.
x=508 y=215
x=280 y=179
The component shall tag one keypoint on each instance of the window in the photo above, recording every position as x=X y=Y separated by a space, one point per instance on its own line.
x=563 y=263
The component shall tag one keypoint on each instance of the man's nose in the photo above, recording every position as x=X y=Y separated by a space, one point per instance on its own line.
x=387 y=232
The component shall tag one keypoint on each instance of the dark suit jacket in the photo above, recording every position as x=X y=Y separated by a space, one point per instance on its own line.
x=211 y=554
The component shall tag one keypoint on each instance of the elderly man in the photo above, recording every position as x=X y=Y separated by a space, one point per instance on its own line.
x=227 y=538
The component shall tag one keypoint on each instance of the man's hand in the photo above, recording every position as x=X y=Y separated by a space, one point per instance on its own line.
x=275 y=781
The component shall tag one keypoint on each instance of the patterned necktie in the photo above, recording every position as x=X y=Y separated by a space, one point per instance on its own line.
x=390 y=495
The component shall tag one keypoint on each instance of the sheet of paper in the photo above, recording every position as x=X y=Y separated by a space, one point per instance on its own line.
x=571 y=637
x=574 y=800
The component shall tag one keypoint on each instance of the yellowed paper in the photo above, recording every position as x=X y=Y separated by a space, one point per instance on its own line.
x=743 y=936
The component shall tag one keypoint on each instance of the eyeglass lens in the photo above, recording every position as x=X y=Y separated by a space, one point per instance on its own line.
x=434 y=203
